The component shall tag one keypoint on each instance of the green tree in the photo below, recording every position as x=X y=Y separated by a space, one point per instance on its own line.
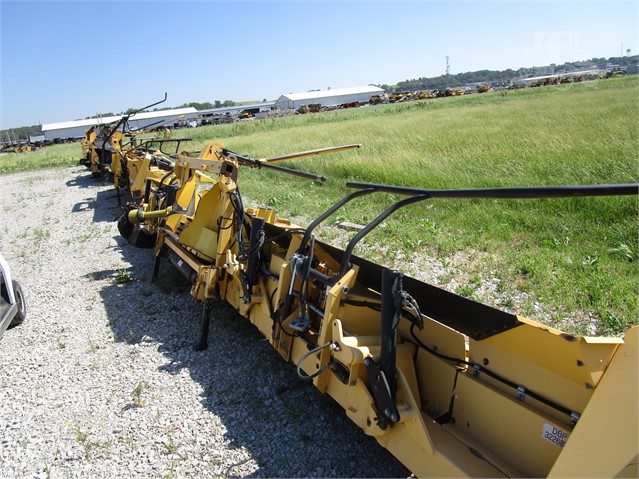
x=21 y=133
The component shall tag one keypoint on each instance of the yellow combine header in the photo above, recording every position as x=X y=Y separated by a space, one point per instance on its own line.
x=452 y=387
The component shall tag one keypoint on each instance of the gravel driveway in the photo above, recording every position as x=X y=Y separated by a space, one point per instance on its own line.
x=102 y=379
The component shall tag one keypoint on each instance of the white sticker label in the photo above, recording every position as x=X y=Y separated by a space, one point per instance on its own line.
x=555 y=435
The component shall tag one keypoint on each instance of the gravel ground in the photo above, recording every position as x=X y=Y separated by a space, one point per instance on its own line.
x=102 y=379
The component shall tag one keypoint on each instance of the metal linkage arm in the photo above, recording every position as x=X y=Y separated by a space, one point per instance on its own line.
x=329 y=212
x=304 y=154
x=255 y=163
x=417 y=194
x=348 y=252
x=266 y=162
x=510 y=193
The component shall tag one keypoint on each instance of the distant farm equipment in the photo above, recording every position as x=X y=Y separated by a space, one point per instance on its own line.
x=454 y=92
x=401 y=96
x=310 y=108
x=9 y=143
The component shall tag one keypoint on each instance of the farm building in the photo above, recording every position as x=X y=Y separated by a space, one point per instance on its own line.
x=336 y=96
x=76 y=129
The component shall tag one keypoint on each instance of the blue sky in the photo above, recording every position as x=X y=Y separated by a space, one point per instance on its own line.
x=68 y=60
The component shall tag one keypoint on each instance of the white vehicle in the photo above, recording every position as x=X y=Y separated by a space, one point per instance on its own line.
x=13 y=309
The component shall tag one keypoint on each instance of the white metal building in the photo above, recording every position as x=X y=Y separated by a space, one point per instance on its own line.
x=77 y=128
x=336 y=96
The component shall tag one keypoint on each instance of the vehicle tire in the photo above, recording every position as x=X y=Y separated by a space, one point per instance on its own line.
x=22 y=306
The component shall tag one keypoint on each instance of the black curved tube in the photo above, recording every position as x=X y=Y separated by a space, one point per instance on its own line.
x=622 y=189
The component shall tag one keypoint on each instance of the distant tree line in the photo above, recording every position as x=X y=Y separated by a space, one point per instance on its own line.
x=505 y=77
x=20 y=133
x=208 y=105
x=100 y=115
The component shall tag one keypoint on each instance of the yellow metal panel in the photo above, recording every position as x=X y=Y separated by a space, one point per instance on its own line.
x=526 y=373
x=259 y=313
x=557 y=351
x=606 y=438
x=631 y=470
x=438 y=337
x=360 y=322
x=436 y=380
x=267 y=213
x=205 y=219
x=436 y=377
x=505 y=426
x=560 y=367
x=448 y=458
x=206 y=242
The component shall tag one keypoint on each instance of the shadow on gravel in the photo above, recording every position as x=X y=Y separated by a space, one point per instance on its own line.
x=288 y=427
x=103 y=203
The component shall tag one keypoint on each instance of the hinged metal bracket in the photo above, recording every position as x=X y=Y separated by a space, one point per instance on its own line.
x=387 y=411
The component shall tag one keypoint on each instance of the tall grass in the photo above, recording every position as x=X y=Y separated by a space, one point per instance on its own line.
x=66 y=154
x=577 y=256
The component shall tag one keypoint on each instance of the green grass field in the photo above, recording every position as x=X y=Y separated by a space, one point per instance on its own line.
x=576 y=257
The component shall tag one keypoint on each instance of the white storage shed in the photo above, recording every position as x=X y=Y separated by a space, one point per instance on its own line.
x=76 y=129
x=331 y=97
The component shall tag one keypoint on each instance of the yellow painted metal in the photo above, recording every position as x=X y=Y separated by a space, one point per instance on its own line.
x=605 y=442
x=499 y=422
x=136 y=216
x=141 y=170
x=201 y=234
x=527 y=401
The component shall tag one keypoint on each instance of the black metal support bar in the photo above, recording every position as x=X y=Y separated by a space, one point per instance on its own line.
x=145 y=107
x=147 y=191
x=322 y=278
x=371 y=226
x=205 y=325
x=256 y=236
x=387 y=413
x=254 y=163
x=391 y=288
x=146 y=142
x=416 y=195
x=329 y=212
x=125 y=119
x=508 y=193
x=313 y=307
x=165 y=140
x=151 y=125
x=301 y=174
